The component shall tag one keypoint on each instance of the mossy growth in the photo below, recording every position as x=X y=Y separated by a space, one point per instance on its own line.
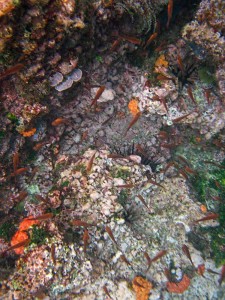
x=207 y=185
x=206 y=75
x=12 y=118
x=2 y=135
x=7 y=230
x=123 y=173
x=38 y=235
x=122 y=198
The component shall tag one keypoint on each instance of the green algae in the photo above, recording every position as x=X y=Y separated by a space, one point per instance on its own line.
x=7 y=230
x=206 y=185
x=38 y=235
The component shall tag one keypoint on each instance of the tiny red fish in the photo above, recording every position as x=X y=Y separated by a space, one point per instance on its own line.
x=38 y=146
x=115 y=44
x=170 y=12
x=106 y=291
x=222 y=276
x=40 y=198
x=43 y=217
x=207 y=93
x=82 y=223
x=90 y=163
x=127 y=186
x=180 y=64
x=212 y=216
x=53 y=254
x=11 y=71
x=182 y=117
x=85 y=239
x=123 y=257
x=19 y=171
x=159 y=255
x=155 y=183
x=18 y=245
x=182 y=172
x=133 y=121
x=148 y=258
x=142 y=201
x=59 y=121
x=15 y=161
x=151 y=39
x=22 y=195
x=187 y=253
x=109 y=231
x=98 y=95
x=189 y=170
x=131 y=39
x=190 y=94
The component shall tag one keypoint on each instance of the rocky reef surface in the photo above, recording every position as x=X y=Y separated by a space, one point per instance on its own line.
x=112 y=172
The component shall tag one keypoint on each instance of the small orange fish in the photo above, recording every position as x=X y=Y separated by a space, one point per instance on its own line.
x=115 y=44
x=53 y=254
x=142 y=201
x=161 y=77
x=169 y=165
x=151 y=39
x=222 y=276
x=11 y=71
x=90 y=163
x=40 y=198
x=182 y=172
x=187 y=253
x=159 y=255
x=42 y=217
x=84 y=136
x=131 y=39
x=15 y=161
x=170 y=146
x=82 y=223
x=85 y=239
x=170 y=12
x=189 y=170
x=163 y=135
x=182 y=117
x=38 y=146
x=98 y=95
x=133 y=121
x=207 y=93
x=18 y=245
x=212 y=216
x=18 y=172
x=123 y=257
x=180 y=64
x=163 y=102
x=190 y=94
x=109 y=231
x=155 y=183
x=59 y=121
x=106 y=291
x=22 y=195
x=127 y=186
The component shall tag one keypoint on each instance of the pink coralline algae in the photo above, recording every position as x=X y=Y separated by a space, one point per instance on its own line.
x=208 y=29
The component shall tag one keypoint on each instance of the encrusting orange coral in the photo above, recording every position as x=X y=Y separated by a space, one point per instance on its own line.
x=178 y=287
x=21 y=235
x=161 y=62
x=133 y=106
x=142 y=288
